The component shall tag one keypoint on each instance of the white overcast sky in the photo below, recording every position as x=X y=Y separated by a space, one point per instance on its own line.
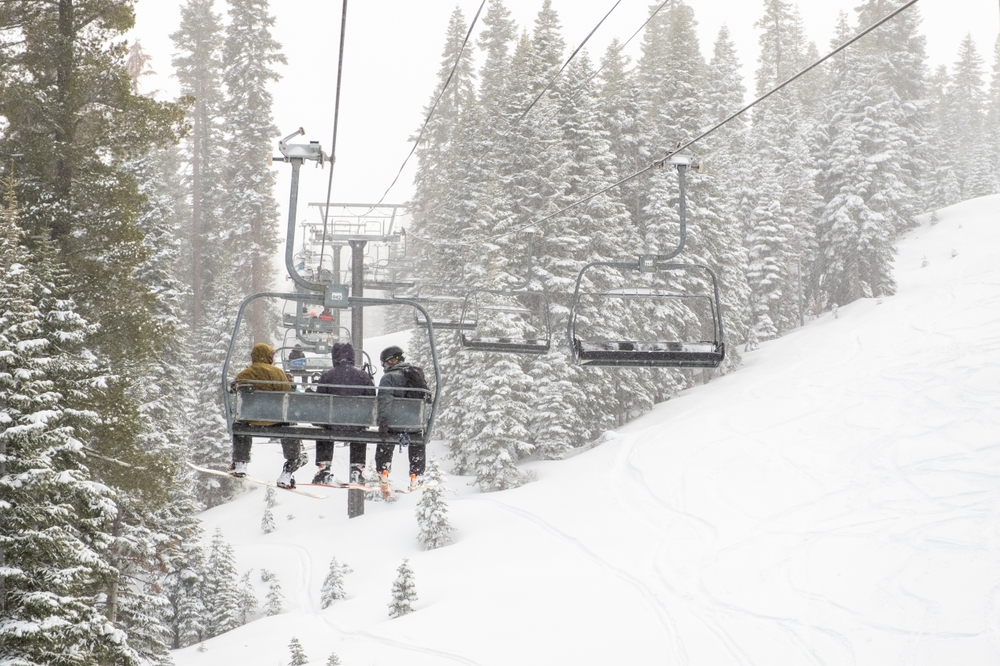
x=393 y=53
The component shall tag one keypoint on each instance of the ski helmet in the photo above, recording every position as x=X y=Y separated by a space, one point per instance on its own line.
x=390 y=352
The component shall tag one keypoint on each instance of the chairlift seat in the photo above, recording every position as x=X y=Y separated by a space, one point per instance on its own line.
x=704 y=354
x=445 y=324
x=308 y=364
x=508 y=345
x=309 y=324
x=386 y=285
x=509 y=309
x=324 y=416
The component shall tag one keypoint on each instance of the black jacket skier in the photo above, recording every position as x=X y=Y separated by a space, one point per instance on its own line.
x=394 y=385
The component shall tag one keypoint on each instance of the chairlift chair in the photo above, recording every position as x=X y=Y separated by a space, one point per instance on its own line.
x=444 y=307
x=651 y=350
x=383 y=276
x=499 y=311
x=323 y=416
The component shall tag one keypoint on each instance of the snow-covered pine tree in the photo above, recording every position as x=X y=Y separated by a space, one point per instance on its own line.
x=333 y=660
x=942 y=187
x=247 y=598
x=432 y=511
x=731 y=173
x=678 y=103
x=575 y=404
x=141 y=538
x=221 y=587
x=619 y=112
x=267 y=520
x=839 y=160
x=186 y=616
x=205 y=265
x=333 y=584
x=477 y=146
x=899 y=51
x=162 y=512
x=208 y=440
x=992 y=129
x=54 y=521
x=780 y=234
x=494 y=392
x=981 y=180
x=404 y=592
x=861 y=150
x=274 y=597
x=198 y=68
x=250 y=55
x=965 y=108
x=298 y=655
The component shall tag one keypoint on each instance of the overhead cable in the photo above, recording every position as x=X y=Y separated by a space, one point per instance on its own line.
x=333 y=143
x=701 y=136
x=430 y=114
x=572 y=93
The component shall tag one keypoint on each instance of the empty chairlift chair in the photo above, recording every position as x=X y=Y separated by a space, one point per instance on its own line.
x=697 y=314
x=513 y=322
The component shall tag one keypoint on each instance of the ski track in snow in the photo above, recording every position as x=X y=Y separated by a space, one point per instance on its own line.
x=374 y=639
x=697 y=599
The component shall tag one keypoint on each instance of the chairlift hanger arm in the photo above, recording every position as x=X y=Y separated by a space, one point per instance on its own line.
x=296 y=154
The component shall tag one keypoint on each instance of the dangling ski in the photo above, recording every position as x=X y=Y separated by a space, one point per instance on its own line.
x=262 y=482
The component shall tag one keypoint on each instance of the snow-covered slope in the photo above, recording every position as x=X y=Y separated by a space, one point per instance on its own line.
x=836 y=501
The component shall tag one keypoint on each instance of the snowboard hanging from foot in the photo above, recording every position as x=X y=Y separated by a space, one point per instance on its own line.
x=262 y=482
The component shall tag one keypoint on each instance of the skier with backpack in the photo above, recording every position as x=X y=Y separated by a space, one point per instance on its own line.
x=399 y=380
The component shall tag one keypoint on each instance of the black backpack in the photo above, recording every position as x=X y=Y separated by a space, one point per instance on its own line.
x=414 y=375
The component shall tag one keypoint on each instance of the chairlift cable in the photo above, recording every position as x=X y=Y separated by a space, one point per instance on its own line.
x=430 y=114
x=718 y=125
x=684 y=146
x=573 y=94
x=620 y=48
x=524 y=113
x=333 y=143
x=565 y=64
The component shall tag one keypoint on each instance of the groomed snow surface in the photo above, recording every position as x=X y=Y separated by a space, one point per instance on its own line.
x=835 y=501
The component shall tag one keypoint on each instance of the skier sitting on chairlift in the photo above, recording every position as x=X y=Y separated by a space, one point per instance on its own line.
x=340 y=380
x=263 y=375
x=397 y=375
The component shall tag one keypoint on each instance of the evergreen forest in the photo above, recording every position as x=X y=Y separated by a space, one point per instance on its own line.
x=132 y=229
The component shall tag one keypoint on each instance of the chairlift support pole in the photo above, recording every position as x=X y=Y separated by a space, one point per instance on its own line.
x=358 y=450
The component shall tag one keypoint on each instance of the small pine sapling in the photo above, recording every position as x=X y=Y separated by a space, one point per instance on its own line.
x=404 y=592
x=274 y=597
x=267 y=521
x=266 y=575
x=299 y=657
x=333 y=660
x=270 y=498
x=753 y=343
x=248 y=600
x=432 y=511
x=333 y=585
